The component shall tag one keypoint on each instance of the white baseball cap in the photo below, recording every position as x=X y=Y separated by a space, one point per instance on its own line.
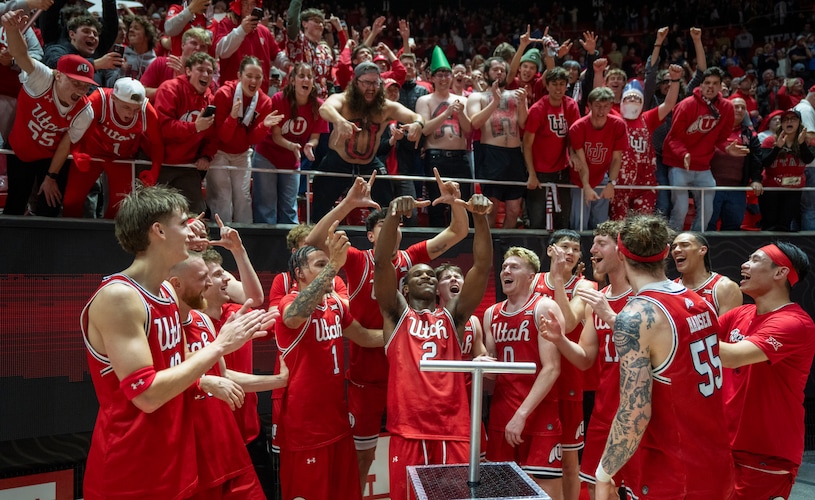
x=129 y=90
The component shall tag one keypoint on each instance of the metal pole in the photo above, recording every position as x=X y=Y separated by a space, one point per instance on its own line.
x=475 y=428
x=478 y=369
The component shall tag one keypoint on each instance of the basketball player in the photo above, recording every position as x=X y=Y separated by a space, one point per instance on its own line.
x=524 y=421
x=691 y=253
x=316 y=447
x=596 y=341
x=427 y=411
x=141 y=445
x=368 y=368
x=670 y=381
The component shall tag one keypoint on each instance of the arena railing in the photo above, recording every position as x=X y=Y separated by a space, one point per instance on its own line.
x=416 y=178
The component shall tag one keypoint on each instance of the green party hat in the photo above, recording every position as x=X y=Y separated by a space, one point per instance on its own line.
x=439 y=60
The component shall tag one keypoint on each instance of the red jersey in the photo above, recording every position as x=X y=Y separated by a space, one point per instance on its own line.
x=135 y=454
x=707 y=290
x=551 y=128
x=685 y=451
x=259 y=43
x=219 y=447
x=607 y=396
x=297 y=129
x=516 y=340
x=282 y=285
x=638 y=167
x=764 y=401
x=241 y=361
x=369 y=364
x=109 y=139
x=314 y=411
x=598 y=146
x=786 y=171
x=570 y=380
x=199 y=333
x=41 y=121
x=469 y=340
x=234 y=136
x=421 y=335
x=178 y=105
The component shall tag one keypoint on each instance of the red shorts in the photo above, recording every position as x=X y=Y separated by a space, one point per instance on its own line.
x=366 y=403
x=244 y=486
x=596 y=438
x=404 y=452
x=571 y=422
x=753 y=483
x=539 y=455
x=327 y=472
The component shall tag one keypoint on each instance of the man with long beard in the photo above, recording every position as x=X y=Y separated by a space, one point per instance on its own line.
x=359 y=117
x=500 y=115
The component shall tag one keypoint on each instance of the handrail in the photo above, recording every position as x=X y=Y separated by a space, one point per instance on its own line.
x=418 y=178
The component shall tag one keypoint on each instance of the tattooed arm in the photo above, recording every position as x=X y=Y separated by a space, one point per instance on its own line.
x=633 y=333
x=311 y=295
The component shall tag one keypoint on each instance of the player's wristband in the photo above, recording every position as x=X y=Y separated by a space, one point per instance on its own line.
x=137 y=382
x=601 y=475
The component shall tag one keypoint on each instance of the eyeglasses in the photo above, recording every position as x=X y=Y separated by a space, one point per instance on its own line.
x=370 y=83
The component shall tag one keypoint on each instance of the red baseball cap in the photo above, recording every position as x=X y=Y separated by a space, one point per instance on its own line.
x=77 y=68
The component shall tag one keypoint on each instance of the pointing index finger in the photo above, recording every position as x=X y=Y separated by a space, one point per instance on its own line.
x=438 y=177
x=219 y=221
x=371 y=180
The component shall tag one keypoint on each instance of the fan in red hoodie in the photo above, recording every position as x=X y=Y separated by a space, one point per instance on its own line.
x=188 y=134
x=701 y=123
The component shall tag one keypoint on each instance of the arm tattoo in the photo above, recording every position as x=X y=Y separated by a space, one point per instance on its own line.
x=634 y=411
x=308 y=299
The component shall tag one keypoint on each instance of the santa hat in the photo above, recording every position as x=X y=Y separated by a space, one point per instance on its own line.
x=634 y=87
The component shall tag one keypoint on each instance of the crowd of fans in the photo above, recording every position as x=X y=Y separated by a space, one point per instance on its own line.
x=266 y=69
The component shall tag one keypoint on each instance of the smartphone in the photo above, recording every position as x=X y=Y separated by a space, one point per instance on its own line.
x=257 y=13
x=119 y=49
x=208 y=111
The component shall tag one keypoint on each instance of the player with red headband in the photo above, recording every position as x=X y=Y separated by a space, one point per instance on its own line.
x=769 y=346
x=671 y=411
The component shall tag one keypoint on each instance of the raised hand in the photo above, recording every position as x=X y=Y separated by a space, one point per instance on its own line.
x=404 y=205
x=237 y=107
x=477 y=204
x=360 y=193
x=199 y=241
x=272 y=119
x=230 y=239
x=588 y=42
x=550 y=329
x=338 y=245
x=450 y=191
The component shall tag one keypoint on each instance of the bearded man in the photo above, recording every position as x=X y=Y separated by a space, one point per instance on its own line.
x=360 y=116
